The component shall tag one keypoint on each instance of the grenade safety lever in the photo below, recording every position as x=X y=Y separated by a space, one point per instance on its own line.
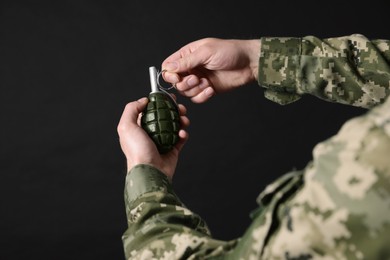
x=161 y=119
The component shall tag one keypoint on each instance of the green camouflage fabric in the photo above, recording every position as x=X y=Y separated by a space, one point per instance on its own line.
x=338 y=207
x=349 y=70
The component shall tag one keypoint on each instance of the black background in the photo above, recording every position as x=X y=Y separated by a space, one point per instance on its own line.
x=67 y=69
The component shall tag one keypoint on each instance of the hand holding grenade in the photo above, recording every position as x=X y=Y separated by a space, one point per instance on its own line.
x=161 y=119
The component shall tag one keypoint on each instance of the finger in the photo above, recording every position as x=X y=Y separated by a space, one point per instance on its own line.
x=185 y=50
x=187 y=62
x=130 y=114
x=175 y=56
x=173 y=96
x=188 y=82
x=182 y=110
x=184 y=122
x=182 y=140
x=171 y=77
x=203 y=96
x=195 y=90
x=139 y=119
x=183 y=83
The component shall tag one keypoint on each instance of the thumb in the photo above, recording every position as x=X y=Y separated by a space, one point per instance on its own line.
x=130 y=113
x=186 y=63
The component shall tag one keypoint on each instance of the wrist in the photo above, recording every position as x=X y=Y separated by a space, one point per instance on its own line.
x=252 y=50
x=167 y=170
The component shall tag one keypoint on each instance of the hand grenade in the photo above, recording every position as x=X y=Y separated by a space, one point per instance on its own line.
x=161 y=119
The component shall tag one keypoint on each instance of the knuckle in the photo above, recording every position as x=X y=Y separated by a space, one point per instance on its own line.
x=122 y=128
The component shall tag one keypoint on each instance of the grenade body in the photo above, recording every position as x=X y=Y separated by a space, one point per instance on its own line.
x=161 y=120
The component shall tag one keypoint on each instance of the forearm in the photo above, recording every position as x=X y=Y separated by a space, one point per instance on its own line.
x=350 y=70
x=158 y=223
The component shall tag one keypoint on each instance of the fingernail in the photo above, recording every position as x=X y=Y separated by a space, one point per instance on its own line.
x=192 y=81
x=209 y=91
x=171 y=66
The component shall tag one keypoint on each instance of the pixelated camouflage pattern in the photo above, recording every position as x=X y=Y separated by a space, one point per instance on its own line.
x=350 y=70
x=338 y=207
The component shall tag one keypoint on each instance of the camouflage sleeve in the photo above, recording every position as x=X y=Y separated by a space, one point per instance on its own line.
x=349 y=70
x=159 y=225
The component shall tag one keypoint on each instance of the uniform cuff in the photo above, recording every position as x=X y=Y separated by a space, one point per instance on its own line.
x=142 y=179
x=279 y=68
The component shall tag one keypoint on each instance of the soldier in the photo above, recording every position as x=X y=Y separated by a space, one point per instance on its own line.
x=338 y=207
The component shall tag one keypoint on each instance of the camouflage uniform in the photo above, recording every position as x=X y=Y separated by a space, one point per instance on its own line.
x=338 y=207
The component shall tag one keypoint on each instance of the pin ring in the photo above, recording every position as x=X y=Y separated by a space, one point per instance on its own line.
x=158 y=81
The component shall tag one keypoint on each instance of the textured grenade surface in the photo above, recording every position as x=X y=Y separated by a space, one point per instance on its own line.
x=161 y=121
